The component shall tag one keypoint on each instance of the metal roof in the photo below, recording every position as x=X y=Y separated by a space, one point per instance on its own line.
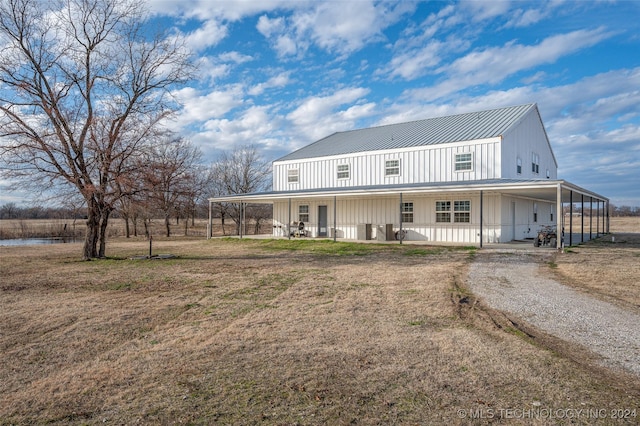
x=432 y=131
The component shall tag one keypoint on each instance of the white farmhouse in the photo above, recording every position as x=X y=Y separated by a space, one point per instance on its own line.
x=475 y=178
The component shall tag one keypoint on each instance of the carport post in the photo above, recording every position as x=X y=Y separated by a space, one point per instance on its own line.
x=582 y=220
x=590 y=217
x=604 y=215
x=608 y=220
x=481 y=219
x=210 y=224
x=240 y=224
x=289 y=221
x=570 y=218
x=597 y=218
x=560 y=217
x=335 y=231
x=400 y=233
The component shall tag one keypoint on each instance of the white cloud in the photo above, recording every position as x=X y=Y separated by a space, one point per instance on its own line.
x=278 y=81
x=320 y=116
x=209 y=34
x=331 y=26
x=199 y=107
x=481 y=10
x=492 y=65
x=235 y=57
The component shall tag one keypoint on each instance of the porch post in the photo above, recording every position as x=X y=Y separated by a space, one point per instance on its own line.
x=210 y=224
x=590 y=218
x=400 y=233
x=335 y=231
x=560 y=220
x=597 y=218
x=240 y=224
x=570 y=218
x=481 y=218
x=289 y=221
x=582 y=220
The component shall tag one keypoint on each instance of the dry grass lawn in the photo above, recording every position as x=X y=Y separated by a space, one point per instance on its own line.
x=246 y=332
x=606 y=267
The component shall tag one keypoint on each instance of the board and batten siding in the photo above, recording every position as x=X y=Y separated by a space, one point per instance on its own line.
x=379 y=211
x=425 y=164
x=523 y=141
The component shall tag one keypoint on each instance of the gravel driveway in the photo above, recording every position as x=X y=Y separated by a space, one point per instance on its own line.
x=510 y=281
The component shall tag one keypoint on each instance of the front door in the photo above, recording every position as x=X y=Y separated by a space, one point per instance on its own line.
x=322 y=221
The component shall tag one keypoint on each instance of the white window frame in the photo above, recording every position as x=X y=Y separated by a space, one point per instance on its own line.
x=343 y=171
x=535 y=163
x=443 y=210
x=390 y=169
x=303 y=213
x=462 y=211
x=519 y=165
x=293 y=176
x=463 y=165
x=407 y=212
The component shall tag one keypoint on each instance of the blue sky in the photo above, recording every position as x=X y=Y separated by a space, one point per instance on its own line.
x=282 y=74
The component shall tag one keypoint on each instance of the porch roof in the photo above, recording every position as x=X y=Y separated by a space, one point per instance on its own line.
x=545 y=190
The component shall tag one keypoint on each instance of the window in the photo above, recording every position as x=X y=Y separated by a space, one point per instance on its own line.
x=535 y=163
x=464 y=162
x=292 y=176
x=462 y=211
x=392 y=168
x=407 y=212
x=343 y=171
x=303 y=213
x=535 y=212
x=443 y=211
x=548 y=174
x=519 y=165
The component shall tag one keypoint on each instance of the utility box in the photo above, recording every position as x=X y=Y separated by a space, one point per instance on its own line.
x=364 y=231
x=384 y=232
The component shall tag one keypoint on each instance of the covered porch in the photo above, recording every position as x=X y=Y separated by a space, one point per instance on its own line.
x=405 y=213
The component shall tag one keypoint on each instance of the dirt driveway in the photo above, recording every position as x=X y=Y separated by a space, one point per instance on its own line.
x=515 y=283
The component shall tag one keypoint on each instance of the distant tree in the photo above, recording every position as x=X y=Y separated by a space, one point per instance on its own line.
x=169 y=171
x=84 y=88
x=240 y=171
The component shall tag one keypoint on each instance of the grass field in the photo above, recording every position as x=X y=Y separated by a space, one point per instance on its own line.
x=292 y=332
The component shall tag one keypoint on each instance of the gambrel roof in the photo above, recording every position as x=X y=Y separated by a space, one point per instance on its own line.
x=432 y=131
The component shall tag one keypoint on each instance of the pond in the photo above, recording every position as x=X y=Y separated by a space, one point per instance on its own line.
x=34 y=241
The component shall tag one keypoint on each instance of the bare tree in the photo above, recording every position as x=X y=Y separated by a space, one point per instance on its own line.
x=169 y=171
x=83 y=90
x=240 y=171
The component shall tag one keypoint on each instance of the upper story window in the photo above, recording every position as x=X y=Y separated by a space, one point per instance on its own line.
x=293 y=175
x=548 y=174
x=519 y=165
x=407 y=212
x=464 y=162
x=392 y=168
x=535 y=163
x=303 y=213
x=343 y=171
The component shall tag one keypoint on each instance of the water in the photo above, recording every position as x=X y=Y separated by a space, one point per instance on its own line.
x=34 y=241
